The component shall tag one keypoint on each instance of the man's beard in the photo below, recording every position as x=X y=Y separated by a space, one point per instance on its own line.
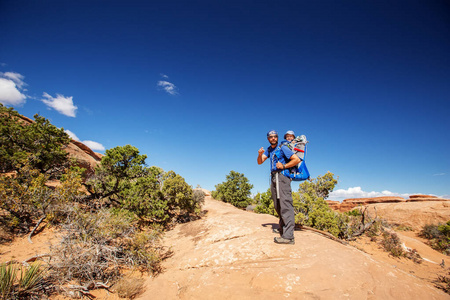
x=274 y=143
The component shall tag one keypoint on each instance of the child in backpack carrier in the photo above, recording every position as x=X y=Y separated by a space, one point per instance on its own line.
x=298 y=146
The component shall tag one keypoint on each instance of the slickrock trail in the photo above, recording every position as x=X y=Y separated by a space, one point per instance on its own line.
x=230 y=254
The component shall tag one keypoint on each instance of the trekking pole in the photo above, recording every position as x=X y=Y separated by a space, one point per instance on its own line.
x=277 y=185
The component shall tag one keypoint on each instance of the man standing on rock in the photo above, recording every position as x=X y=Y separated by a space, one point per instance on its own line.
x=281 y=158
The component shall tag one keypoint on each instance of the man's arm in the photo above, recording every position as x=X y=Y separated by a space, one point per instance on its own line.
x=261 y=156
x=293 y=161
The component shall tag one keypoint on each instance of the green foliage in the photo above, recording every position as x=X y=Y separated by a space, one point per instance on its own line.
x=265 y=203
x=26 y=198
x=21 y=283
x=311 y=208
x=40 y=144
x=144 y=197
x=118 y=168
x=178 y=193
x=438 y=236
x=148 y=192
x=235 y=190
x=354 y=213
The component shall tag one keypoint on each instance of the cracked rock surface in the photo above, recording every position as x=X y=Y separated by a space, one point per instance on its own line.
x=230 y=254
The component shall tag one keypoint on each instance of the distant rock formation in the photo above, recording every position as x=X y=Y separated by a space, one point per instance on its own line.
x=349 y=204
x=416 y=198
x=85 y=157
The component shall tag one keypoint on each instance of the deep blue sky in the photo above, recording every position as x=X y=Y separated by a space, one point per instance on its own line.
x=368 y=82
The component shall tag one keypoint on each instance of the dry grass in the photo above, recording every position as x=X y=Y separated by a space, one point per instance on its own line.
x=129 y=287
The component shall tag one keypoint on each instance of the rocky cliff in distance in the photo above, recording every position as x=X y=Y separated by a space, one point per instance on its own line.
x=349 y=204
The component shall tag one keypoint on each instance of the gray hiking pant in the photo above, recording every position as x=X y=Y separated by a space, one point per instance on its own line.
x=283 y=206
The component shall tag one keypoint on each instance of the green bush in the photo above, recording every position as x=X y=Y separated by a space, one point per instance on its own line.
x=265 y=203
x=235 y=190
x=312 y=210
x=26 y=198
x=438 y=236
x=39 y=144
x=153 y=195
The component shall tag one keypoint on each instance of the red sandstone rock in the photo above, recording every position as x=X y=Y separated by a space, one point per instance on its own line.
x=427 y=199
x=375 y=200
x=349 y=204
x=421 y=196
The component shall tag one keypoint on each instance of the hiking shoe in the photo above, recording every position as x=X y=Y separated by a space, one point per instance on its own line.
x=275 y=230
x=280 y=240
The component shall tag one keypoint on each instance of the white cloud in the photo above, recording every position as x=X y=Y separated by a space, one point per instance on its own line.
x=164 y=76
x=61 y=104
x=16 y=77
x=91 y=144
x=357 y=192
x=72 y=135
x=168 y=87
x=94 y=145
x=11 y=89
x=439 y=174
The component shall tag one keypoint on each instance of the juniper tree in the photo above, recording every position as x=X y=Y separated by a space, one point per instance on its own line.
x=235 y=190
x=40 y=144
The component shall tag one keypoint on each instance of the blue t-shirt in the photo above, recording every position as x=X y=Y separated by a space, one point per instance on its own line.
x=285 y=156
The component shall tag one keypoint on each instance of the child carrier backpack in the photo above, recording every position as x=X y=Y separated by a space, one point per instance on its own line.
x=298 y=146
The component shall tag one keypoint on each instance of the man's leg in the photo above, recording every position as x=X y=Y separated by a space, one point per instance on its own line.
x=286 y=207
x=276 y=202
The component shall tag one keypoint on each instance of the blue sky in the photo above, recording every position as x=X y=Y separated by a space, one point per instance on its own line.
x=196 y=85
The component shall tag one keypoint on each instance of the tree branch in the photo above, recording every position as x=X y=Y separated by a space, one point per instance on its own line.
x=34 y=229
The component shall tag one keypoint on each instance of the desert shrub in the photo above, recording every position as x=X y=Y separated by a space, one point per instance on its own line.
x=22 y=283
x=265 y=203
x=402 y=227
x=443 y=282
x=26 y=198
x=178 y=194
x=129 y=287
x=95 y=246
x=154 y=196
x=199 y=198
x=374 y=231
x=414 y=256
x=40 y=144
x=118 y=168
x=391 y=243
x=312 y=210
x=354 y=213
x=235 y=190
x=438 y=236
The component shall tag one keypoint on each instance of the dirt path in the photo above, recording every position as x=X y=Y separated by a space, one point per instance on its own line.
x=231 y=254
